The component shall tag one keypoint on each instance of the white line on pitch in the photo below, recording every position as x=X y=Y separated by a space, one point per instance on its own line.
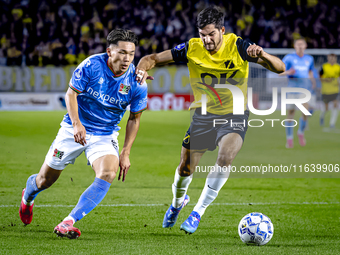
x=150 y=205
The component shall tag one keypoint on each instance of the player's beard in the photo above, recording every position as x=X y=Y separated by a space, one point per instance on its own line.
x=216 y=44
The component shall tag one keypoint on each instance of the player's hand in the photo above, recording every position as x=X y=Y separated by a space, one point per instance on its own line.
x=79 y=132
x=290 y=71
x=124 y=165
x=142 y=75
x=255 y=51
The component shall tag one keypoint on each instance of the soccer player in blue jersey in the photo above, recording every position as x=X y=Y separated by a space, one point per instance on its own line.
x=100 y=90
x=299 y=68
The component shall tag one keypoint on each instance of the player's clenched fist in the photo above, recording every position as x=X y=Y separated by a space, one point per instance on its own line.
x=255 y=51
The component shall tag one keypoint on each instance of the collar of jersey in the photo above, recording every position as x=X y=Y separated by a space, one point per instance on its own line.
x=115 y=75
x=299 y=56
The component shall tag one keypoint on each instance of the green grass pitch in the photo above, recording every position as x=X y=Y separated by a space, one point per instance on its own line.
x=304 y=211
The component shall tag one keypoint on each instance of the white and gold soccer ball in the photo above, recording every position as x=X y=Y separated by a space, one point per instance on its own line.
x=255 y=228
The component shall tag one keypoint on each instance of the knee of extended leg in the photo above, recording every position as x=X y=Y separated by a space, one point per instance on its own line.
x=184 y=169
x=225 y=160
x=44 y=181
x=107 y=175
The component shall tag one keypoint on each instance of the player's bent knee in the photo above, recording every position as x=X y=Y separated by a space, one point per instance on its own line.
x=186 y=165
x=47 y=176
x=225 y=160
x=45 y=181
x=107 y=175
x=106 y=167
x=184 y=169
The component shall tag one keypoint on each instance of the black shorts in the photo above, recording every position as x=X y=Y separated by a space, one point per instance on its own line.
x=329 y=98
x=206 y=131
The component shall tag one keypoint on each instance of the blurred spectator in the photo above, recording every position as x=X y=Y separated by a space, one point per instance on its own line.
x=17 y=27
x=42 y=54
x=14 y=56
x=81 y=56
x=64 y=32
x=57 y=48
x=3 y=59
x=70 y=57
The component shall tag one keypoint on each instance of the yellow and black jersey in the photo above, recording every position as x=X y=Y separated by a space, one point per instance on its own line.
x=229 y=65
x=330 y=78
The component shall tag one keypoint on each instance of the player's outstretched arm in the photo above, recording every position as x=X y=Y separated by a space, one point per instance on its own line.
x=132 y=127
x=266 y=60
x=288 y=72
x=150 y=61
x=72 y=108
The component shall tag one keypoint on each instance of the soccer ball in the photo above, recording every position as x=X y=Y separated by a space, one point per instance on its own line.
x=255 y=228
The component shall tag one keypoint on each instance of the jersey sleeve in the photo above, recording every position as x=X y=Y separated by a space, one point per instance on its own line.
x=140 y=99
x=179 y=53
x=81 y=76
x=242 y=46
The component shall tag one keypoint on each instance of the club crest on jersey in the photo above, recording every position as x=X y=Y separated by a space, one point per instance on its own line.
x=78 y=74
x=180 y=46
x=124 y=89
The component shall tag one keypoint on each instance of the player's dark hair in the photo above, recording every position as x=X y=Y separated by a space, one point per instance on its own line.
x=210 y=15
x=332 y=55
x=120 y=34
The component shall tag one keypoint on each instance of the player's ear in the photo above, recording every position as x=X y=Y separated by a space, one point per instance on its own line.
x=223 y=30
x=108 y=51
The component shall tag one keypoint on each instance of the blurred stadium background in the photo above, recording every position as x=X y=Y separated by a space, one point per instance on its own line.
x=43 y=41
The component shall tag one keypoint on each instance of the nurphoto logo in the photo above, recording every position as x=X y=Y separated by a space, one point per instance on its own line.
x=238 y=106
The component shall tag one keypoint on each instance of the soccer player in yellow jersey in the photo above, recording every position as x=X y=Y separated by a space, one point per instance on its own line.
x=330 y=73
x=214 y=58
